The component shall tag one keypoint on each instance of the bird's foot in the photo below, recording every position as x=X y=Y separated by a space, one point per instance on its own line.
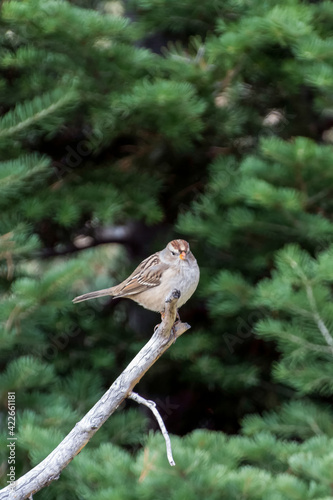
x=162 y=318
x=173 y=329
x=173 y=332
x=172 y=335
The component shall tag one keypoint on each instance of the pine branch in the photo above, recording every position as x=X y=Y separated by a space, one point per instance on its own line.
x=133 y=234
x=33 y=112
x=319 y=321
x=314 y=308
x=126 y=235
x=50 y=468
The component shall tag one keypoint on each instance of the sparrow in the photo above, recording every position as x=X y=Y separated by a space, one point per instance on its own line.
x=174 y=267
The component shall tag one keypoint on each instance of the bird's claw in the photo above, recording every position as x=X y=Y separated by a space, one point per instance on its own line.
x=173 y=329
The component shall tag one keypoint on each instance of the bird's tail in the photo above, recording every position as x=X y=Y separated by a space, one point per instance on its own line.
x=92 y=295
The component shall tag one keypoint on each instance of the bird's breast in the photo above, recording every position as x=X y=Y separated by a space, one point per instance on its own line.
x=185 y=280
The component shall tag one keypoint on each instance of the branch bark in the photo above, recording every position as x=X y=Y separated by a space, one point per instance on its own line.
x=50 y=468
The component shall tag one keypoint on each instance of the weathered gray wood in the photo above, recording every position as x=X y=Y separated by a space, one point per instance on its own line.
x=50 y=468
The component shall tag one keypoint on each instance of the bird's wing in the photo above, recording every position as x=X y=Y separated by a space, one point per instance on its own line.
x=146 y=275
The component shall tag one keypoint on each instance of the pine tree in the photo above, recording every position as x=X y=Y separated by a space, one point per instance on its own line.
x=223 y=135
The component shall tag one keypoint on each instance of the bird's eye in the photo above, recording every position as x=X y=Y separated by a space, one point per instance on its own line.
x=173 y=253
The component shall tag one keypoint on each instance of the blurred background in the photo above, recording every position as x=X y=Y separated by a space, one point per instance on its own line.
x=125 y=125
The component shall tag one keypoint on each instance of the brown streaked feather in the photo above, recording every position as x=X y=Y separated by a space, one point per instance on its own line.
x=146 y=275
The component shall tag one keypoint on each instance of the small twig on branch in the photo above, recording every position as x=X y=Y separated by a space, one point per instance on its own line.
x=50 y=468
x=152 y=406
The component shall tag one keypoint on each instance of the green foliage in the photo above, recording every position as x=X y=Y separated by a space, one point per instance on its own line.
x=21 y=175
x=40 y=113
x=25 y=372
x=302 y=297
x=296 y=419
x=209 y=464
x=169 y=107
x=225 y=139
x=184 y=17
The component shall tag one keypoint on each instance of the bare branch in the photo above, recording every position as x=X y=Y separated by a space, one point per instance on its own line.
x=50 y=468
x=152 y=406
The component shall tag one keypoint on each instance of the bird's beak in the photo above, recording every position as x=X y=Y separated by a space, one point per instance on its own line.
x=182 y=255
